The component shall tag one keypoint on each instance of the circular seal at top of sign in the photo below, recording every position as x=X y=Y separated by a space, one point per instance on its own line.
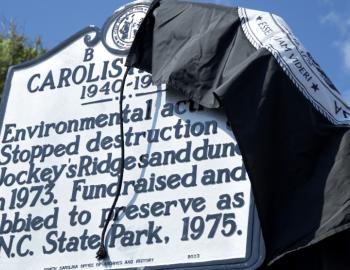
x=120 y=30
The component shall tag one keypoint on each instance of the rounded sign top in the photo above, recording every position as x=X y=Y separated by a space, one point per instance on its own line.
x=127 y=24
x=120 y=30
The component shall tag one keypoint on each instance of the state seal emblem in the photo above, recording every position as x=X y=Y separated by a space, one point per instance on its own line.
x=126 y=24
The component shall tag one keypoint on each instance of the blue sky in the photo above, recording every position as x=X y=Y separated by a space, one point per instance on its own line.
x=323 y=26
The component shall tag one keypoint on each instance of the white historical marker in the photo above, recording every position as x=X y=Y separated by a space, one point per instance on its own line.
x=185 y=201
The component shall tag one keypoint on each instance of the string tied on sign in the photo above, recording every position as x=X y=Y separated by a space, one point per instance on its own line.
x=102 y=251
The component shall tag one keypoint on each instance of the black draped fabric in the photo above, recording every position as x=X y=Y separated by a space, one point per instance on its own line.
x=296 y=157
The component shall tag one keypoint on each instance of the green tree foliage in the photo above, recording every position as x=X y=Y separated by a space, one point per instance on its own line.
x=15 y=48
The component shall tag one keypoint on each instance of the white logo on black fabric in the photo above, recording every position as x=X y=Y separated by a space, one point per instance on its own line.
x=265 y=30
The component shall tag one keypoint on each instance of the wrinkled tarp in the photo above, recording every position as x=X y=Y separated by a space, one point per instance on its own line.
x=297 y=160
